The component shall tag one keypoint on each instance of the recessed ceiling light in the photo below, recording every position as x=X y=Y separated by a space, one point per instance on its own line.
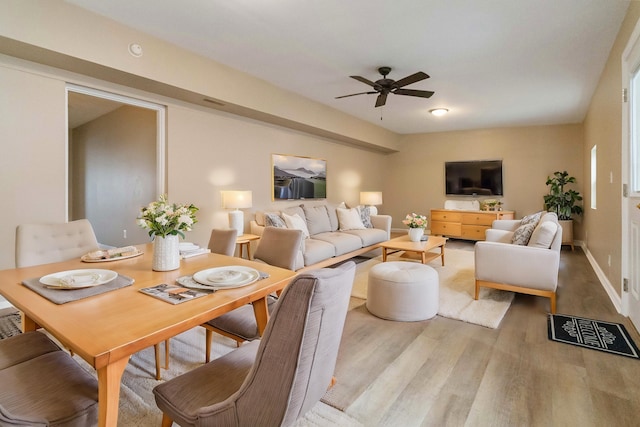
x=439 y=111
x=135 y=49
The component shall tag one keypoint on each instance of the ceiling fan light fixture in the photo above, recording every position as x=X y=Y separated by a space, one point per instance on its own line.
x=438 y=112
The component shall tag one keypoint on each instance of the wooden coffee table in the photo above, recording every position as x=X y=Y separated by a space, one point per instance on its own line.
x=423 y=249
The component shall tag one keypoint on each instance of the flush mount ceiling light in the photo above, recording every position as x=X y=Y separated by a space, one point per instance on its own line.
x=439 y=111
x=135 y=49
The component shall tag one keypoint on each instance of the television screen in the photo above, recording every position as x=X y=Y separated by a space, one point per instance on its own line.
x=474 y=178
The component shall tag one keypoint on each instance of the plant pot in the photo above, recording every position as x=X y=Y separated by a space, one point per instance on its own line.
x=166 y=253
x=415 y=234
x=567 y=231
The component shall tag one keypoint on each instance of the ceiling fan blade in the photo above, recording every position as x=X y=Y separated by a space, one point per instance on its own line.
x=411 y=79
x=413 y=92
x=363 y=80
x=382 y=99
x=354 y=94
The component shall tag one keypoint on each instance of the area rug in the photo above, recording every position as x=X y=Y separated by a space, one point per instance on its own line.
x=10 y=323
x=137 y=405
x=457 y=289
x=593 y=334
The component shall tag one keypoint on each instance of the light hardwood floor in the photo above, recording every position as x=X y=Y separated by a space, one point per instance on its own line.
x=444 y=372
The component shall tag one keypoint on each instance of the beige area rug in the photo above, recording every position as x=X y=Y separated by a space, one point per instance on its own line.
x=457 y=289
x=137 y=405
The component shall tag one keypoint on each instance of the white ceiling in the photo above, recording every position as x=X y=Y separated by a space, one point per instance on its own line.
x=493 y=63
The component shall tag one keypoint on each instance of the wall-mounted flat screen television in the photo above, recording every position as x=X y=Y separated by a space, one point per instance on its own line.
x=474 y=178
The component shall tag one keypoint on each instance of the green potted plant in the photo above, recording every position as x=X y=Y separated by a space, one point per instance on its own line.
x=563 y=202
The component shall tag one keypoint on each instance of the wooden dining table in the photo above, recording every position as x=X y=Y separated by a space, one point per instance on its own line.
x=106 y=329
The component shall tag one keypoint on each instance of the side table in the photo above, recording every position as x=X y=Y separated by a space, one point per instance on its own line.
x=244 y=241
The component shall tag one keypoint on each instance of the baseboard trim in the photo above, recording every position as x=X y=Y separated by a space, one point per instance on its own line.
x=606 y=284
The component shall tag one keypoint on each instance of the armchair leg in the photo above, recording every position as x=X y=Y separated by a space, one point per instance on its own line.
x=166 y=421
x=477 y=290
x=552 y=299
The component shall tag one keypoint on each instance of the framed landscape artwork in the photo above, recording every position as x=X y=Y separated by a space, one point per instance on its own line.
x=298 y=177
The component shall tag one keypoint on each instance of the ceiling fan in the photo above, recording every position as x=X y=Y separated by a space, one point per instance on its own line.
x=385 y=86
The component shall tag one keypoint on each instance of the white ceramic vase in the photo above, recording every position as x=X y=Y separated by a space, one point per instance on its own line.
x=166 y=253
x=415 y=234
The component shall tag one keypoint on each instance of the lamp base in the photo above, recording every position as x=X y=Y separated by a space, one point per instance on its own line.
x=236 y=221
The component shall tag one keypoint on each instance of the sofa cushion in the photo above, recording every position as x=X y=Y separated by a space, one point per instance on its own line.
x=543 y=234
x=369 y=236
x=274 y=220
x=333 y=217
x=292 y=210
x=349 y=219
x=317 y=219
x=343 y=242
x=316 y=250
x=522 y=234
x=296 y=222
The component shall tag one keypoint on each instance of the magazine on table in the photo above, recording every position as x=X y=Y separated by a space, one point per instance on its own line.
x=173 y=294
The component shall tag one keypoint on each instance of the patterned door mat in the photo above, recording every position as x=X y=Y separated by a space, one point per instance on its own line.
x=594 y=334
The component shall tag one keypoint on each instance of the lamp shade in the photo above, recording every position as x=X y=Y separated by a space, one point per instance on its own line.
x=236 y=199
x=371 y=198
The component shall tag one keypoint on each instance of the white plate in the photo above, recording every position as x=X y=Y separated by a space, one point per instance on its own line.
x=233 y=275
x=84 y=258
x=78 y=279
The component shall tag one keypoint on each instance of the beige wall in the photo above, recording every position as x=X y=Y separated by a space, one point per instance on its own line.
x=603 y=127
x=529 y=154
x=114 y=173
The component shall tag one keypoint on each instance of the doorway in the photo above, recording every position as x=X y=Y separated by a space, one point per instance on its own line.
x=116 y=162
x=631 y=180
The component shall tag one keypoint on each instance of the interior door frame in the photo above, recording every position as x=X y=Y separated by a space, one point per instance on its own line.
x=630 y=65
x=160 y=133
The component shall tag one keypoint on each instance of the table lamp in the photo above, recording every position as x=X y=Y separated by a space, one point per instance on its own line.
x=371 y=198
x=236 y=200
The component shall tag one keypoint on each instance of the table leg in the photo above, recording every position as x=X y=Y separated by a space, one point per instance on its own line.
x=109 y=378
x=384 y=254
x=442 y=254
x=262 y=314
x=249 y=250
x=28 y=324
x=424 y=257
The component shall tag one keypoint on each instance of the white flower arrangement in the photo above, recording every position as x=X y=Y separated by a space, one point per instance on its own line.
x=164 y=219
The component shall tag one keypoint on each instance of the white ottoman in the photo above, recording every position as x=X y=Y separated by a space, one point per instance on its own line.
x=404 y=291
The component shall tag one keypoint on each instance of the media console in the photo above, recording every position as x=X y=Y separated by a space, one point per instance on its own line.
x=469 y=225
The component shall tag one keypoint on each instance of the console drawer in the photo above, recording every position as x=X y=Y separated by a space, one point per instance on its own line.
x=474 y=232
x=446 y=228
x=480 y=219
x=446 y=216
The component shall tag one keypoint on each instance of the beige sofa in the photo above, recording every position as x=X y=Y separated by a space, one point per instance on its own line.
x=331 y=235
x=530 y=266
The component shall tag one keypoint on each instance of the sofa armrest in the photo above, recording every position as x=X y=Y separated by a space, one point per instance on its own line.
x=506 y=224
x=382 y=222
x=256 y=228
x=525 y=266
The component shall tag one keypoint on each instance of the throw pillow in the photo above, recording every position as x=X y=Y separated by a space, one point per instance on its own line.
x=297 y=223
x=522 y=234
x=531 y=219
x=349 y=219
x=317 y=219
x=365 y=216
x=274 y=220
x=543 y=235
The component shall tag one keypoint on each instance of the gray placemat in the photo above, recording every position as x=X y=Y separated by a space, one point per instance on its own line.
x=61 y=296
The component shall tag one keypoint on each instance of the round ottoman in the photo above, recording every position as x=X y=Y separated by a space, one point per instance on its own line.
x=404 y=291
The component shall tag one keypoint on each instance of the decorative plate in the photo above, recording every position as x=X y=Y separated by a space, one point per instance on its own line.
x=229 y=276
x=78 y=279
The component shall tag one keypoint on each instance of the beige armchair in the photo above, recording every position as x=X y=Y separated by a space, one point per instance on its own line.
x=530 y=269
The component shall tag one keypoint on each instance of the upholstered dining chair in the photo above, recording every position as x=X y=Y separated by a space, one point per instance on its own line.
x=277 y=246
x=55 y=242
x=47 y=243
x=223 y=241
x=275 y=380
x=44 y=386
